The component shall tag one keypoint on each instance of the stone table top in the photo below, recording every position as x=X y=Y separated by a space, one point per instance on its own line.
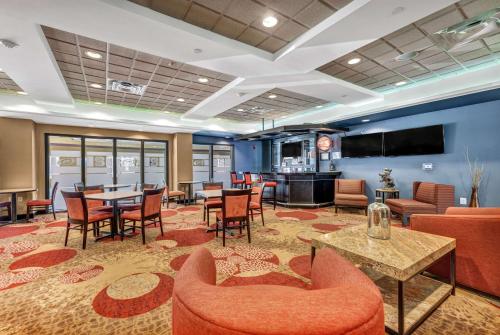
x=405 y=254
x=113 y=196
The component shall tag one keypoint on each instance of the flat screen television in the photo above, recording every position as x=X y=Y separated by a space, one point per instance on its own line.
x=415 y=141
x=293 y=149
x=361 y=145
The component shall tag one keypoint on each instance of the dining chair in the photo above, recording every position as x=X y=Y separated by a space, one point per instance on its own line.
x=211 y=203
x=235 y=182
x=269 y=185
x=256 y=201
x=79 y=187
x=96 y=204
x=149 y=186
x=150 y=213
x=235 y=208
x=247 y=179
x=80 y=216
x=167 y=195
x=32 y=206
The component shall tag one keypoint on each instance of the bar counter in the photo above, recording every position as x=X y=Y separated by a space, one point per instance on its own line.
x=303 y=189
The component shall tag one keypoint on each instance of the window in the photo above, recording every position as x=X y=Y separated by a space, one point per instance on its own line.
x=212 y=163
x=128 y=162
x=155 y=160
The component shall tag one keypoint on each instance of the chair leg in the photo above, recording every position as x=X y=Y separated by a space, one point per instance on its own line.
x=205 y=210
x=54 y=211
x=143 y=231
x=167 y=202
x=248 y=231
x=122 y=226
x=366 y=211
x=85 y=228
x=67 y=233
x=27 y=212
x=274 y=200
x=251 y=214
x=223 y=234
x=262 y=214
x=336 y=209
x=208 y=217
x=161 y=226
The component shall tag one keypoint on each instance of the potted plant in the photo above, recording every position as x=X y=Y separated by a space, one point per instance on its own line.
x=476 y=172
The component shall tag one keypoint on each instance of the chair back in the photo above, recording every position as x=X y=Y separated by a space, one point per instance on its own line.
x=94 y=190
x=212 y=186
x=259 y=190
x=261 y=179
x=248 y=178
x=151 y=202
x=234 y=176
x=76 y=206
x=79 y=187
x=149 y=187
x=54 y=191
x=235 y=204
x=350 y=186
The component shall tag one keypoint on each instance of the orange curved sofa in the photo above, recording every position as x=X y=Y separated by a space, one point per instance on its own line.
x=343 y=300
x=477 y=253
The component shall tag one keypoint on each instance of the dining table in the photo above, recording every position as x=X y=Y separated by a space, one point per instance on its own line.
x=115 y=187
x=113 y=197
x=13 y=199
x=189 y=184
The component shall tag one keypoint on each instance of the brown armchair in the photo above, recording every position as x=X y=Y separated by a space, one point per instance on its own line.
x=350 y=193
x=428 y=198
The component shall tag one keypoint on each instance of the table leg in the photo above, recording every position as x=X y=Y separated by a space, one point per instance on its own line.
x=190 y=193
x=452 y=271
x=13 y=207
x=313 y=254
x=116 y=218
x=401 y=308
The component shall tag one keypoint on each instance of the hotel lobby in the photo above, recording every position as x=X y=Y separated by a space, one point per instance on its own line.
x=283 y=167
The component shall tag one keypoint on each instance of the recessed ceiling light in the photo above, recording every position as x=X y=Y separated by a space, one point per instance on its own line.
x=93 y=54
x=166 y=112
x=272 y=96
x=98 y=103
x=353 y=61
x=203 y=80
x=21 y=93
x=96 y=85
x=319 y=106
x=1 y=70
x=365 y=120
x=240 y=110
x=180 y=100
x=269 y=21
x=400 y=83
x=197 y=51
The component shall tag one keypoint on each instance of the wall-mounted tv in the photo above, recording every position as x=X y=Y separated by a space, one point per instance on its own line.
x=415 y=141
x=293 y=149
x=361 y=145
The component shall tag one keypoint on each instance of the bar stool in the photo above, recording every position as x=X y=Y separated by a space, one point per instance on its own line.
x=247 y=182
x=235 y=182
x=269 y=184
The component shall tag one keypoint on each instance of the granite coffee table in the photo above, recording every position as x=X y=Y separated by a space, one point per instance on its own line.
x=396 y=266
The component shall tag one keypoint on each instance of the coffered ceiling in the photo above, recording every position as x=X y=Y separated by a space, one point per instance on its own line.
x=6 y=83
x=378 y=69
x=242 y=19
x=274 y=104
x=166 y=81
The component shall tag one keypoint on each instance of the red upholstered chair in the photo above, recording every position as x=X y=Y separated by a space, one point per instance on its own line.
x=350 y=193
x=342 y=300
x=428 y=198
x=150 y=213
x=46 y=204
x=235 y=208
x=211 y=203
x=247 y=179
x=269 y=185
x=256 y=202
x=235 y=182
x=176 y=195
x=79 y=215
x=96 y=205
x=477 y=253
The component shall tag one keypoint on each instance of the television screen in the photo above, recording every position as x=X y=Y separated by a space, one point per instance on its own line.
x=416 y=141
x=293 y=149
x=361 y=145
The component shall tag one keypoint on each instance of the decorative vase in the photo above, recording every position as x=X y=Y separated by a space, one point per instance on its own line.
x=474 y=199
x=379 y=220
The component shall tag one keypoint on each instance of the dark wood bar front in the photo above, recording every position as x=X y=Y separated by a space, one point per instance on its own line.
x=303 y=189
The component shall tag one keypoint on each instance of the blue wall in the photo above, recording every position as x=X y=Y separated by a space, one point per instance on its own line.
x=475 y=126
x=247 y=155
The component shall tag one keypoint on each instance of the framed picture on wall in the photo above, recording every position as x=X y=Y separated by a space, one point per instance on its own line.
x=199 y=162
x=99 y=161
x=324 y=156
x=67 y=161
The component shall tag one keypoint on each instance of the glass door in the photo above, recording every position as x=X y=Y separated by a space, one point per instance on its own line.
x=64 y=165
x=222 y=163
x=128 y=162
x=155 y=160
x=201 y=164
x=98 y=161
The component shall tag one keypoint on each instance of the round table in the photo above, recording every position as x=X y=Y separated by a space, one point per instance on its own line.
x=384 y=193
x=189 y=184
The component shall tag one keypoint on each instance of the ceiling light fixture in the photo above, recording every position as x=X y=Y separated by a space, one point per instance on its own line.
x=354 y=61
x=272 y=96
x=96 y=85
x=203 y=80
x=240 y=110
x=1 y=70
x=21 y=93
x=8 y=43
x=269 y=21
x=400 y=83
x=180 y=99
x=98 y=103
x=166 y=112
x=407 y=56
x=319 y=106
x=365 y=120
x=93 y=54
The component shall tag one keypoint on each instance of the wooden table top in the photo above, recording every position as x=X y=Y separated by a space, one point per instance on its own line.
x=405 y=254
x=388 y=190
x=17 y=190
x=113 y=196
x=216 y=193
x=190 y=182
x=116 y=185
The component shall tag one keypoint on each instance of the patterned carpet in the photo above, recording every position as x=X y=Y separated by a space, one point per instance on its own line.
x=124 y=287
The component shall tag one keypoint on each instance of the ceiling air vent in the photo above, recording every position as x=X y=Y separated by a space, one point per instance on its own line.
x=125 y=87
x=473 y=29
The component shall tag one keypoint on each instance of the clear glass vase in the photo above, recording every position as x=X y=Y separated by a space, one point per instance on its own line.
x=379 y=220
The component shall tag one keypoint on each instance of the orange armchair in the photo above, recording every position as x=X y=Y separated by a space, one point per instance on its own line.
x=476 y=231
x=343 y=300
x=350 y=193
x=428 y=198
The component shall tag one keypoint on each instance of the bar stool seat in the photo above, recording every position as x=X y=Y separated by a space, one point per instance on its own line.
x=269 y=184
